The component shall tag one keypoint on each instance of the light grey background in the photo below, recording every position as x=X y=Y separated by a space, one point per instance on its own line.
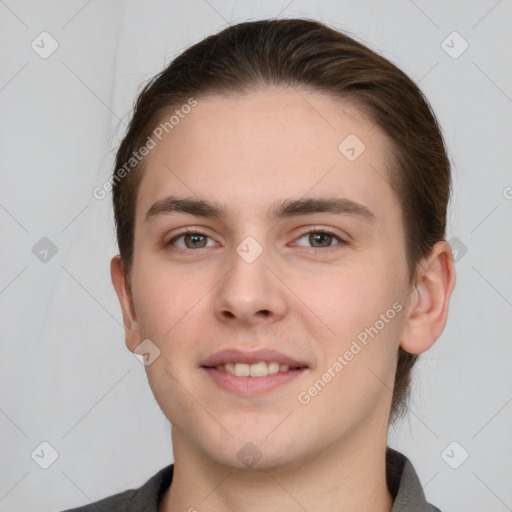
x=66 y=376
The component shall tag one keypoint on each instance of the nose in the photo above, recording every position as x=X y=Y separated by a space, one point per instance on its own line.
x=250 y=293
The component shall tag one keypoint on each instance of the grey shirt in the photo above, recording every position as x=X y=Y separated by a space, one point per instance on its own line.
x=402 y=480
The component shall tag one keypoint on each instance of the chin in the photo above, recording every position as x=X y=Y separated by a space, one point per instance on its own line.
x=251 y=459
x=255 y=450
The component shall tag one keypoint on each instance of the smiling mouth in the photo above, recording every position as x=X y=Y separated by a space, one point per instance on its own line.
x=259 y=369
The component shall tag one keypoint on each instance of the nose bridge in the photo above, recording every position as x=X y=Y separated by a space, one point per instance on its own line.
x=249 y=291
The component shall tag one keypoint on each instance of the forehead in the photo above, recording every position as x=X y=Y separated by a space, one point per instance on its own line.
x=255 y=148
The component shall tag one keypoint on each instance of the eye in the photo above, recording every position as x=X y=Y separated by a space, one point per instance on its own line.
x=194 y=239
x=320 y=239
x=190 y=239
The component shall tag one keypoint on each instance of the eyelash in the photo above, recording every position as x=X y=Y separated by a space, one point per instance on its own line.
x=341 y=241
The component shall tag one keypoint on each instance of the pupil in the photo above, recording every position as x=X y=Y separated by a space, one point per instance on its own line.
x=196 y=238
x=321 y=238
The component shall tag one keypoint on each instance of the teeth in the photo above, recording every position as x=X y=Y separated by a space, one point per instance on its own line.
x=260 y=369
x=242 y=370
x=273 y=367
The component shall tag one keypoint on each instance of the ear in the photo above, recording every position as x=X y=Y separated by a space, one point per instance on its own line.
x=124 y=294
x=428 y=306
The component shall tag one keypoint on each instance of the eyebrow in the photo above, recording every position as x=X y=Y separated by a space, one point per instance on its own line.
x=287 y=208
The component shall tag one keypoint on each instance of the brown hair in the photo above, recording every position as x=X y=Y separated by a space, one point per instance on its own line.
x=306 y=54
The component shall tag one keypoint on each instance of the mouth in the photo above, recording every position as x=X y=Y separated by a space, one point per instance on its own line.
x=252 y=373
x=258 y=370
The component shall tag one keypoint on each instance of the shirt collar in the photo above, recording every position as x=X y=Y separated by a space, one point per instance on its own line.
x=404 y=485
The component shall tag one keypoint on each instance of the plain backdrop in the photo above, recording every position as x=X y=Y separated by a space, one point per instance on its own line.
x=66 y=377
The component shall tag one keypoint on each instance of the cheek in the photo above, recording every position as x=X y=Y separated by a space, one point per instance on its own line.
x=164 y=297
x=356 y=373
x=170 y=307
x=363 y=309
x=350 y=298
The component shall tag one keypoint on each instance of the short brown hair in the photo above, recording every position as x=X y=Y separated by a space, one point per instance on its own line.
x=308 y=54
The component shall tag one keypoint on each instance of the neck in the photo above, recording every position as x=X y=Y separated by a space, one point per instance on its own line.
x=346 y=480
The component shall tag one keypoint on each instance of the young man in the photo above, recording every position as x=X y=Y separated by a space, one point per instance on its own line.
x=280 y=200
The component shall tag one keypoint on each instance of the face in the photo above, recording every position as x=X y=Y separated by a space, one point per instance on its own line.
x=276 y=294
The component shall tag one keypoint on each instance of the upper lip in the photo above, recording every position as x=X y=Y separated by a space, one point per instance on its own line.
x=255 y=356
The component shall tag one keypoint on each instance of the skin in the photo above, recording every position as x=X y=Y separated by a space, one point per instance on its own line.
x=247 y=152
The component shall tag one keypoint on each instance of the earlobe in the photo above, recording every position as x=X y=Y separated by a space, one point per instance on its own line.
x=429 y=300
x=124 y=294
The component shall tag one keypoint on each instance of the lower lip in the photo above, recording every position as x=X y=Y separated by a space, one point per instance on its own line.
x=249 y=386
